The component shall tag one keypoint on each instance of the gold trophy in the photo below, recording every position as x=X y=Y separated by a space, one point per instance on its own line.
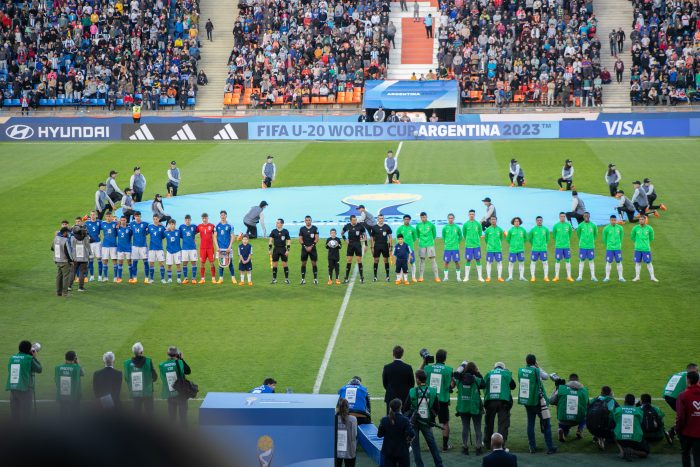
x=265 y=449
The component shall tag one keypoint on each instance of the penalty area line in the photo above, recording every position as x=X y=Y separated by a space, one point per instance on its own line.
x=334 y=333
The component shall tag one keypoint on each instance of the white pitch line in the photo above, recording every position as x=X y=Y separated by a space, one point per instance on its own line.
x=334 y=334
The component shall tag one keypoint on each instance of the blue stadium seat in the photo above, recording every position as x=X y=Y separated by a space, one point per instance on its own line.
x=7 y=102
x=367 y=437
x=43 y=102
x=120 y=102
x=191 y=101
x=101 y=102
x=52 y=102
x=60 y=101
x=92 y=101
x=14 y=103
x=171 y=101
x=138 y=96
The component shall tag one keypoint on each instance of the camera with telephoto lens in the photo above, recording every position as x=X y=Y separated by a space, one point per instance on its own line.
x=457 y=374
x=425 y=355
x=36 y=347
x=557 y=380
x=79 y=232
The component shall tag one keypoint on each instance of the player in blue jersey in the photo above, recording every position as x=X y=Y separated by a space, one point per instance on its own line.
x=245 y=255
x=188 y=232
x=224 y=243
x=156 y=234
x=124 y=235
x=173 y=251
x=139 y=250
x=94 y=229
x=109 y=246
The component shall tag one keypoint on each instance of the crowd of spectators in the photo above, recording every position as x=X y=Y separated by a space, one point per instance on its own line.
x=542 y=51
x=296 y=49
x=665 y=52
x=78 y=51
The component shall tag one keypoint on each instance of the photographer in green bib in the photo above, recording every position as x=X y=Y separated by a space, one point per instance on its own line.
x=140 y=376
x=629 y=436
x=498 y=383
x=21 y=369
x=440 y=377
x=421 y=409
x=67 y=377
x=531 y=394
x=470 y=407
x=171 y=370
x=571 y=399
x=675 y=385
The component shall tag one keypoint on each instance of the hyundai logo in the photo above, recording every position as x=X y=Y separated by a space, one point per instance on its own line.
x=19 y=132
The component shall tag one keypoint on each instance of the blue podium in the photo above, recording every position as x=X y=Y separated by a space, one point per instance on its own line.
x=272 y=430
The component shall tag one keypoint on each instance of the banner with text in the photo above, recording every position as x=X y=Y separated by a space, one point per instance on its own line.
x=629 y=128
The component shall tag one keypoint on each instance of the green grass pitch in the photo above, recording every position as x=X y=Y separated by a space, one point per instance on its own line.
x=631 y=336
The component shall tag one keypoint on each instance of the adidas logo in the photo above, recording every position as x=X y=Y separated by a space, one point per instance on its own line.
x=226 y=133
x=184 y=134
x=142 y=134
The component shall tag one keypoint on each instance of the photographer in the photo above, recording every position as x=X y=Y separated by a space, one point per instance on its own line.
x=652 y=420
x=571 y=399
x=358 y=400
x=82 y=253
x=67 y=378
x=531 y=394
x=628 y=430
x=469 y=405
x=498 y=383
x=422 y=404
x=140 y=376
x=599 y=417
x=440 y=377
x=397 y=432
x=21 y=369
x=63 y=257
x=171 y=370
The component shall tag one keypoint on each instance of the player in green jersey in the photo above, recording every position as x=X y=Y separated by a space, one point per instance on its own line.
x=538 y=237
x=493 y=236
x=516 y=248
x=451 y=236
x=409 y=238
x=562 y=232
x=426 y=246
x=587 y=232
x=612 y=236
x=472 y=232
x=642 y=235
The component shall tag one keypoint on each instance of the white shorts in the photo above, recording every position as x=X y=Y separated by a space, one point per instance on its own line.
x=156 y=255
x=139 y=252
x=109 y=252
x=189 y=255
x=122 y=255
x=173 y=258
x=96 y=249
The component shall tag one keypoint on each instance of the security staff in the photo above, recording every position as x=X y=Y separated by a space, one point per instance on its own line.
x=137 y=183
x=171 y=370
x=21 y=369
x=136 y=112
x=308 y=237
x=67 y=377
x=173 y=179
x=278 y=246
x=63 y=257
x=254 y=217
x=381 y=245
x=140 y=376
x=516 y=173
x=571 y=399
x=498 y=383
x=358 y=399
x=531 y=394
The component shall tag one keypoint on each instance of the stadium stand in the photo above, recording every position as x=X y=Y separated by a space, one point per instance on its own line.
x=536 y=51
x=296 y=55
x=98 y=53
x=665 y=52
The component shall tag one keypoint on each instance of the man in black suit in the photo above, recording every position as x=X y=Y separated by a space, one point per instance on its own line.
x=107 y=384
x=499 y=457
x=397 y=378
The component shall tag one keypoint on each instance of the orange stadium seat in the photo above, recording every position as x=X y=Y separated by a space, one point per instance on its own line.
x=323 y=100
x=341 y=97
x=228 y=97
x=315 y=100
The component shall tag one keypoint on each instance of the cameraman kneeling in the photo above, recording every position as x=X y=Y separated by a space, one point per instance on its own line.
x=571 y=399
x=469 y=404
x=358 y=400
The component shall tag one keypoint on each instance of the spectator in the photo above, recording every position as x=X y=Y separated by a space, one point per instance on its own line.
x=499 y=456
x=363 y=116
x=397 y=378
x=379 y=115
x=619 y=69
x=428 y=23
x=688 y=419
x=67 y=378
x=107 y=384
x=22 y=367
x=140 y=375
x=628 y=430
x=398 y=433
x=346 y=435
x=173 y=369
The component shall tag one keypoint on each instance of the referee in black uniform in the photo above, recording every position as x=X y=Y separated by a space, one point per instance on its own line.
x=308 y=237
x=354 y=234
x=279 y=246
x=381 y=245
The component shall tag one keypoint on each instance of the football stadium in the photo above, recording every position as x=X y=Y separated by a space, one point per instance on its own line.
x=350 y=233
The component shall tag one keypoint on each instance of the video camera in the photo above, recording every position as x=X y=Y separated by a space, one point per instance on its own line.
x=425 y=355
x=79 y=232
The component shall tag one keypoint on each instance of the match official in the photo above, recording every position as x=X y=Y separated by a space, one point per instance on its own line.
x=381 y=245
x=308 y=238
x=355 y=236
x=278 y=247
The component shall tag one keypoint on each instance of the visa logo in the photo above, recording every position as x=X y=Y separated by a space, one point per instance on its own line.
x=627 y=128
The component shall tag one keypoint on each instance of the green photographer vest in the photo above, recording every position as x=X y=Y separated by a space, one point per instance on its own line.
x=19 y=372
x=572 y=404
x=469 y=397
x=529 y=386
x=139 y=380
x=628 y=423
x=168 y=375
x=428 y=394
x=67 y=378
x=675 y=385
x=497 y=383
x=440 y=378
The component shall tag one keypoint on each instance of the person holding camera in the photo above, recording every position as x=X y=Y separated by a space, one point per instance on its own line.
x=531 y=394
x=440 y=377
x=469 y=405
x=140 y=376
x=422 y=403
x=571 y=399
x=358 y=400
x=652 y=421
x=67 y=377
x=107 y=384
x=397 y=431
x=675 y=385
x=498 y=384
x=629 y=436
x=63 y=257
x=21 y=369
x=345 y=435
x=599 y=417
x=82 y=252
x=171 y=370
